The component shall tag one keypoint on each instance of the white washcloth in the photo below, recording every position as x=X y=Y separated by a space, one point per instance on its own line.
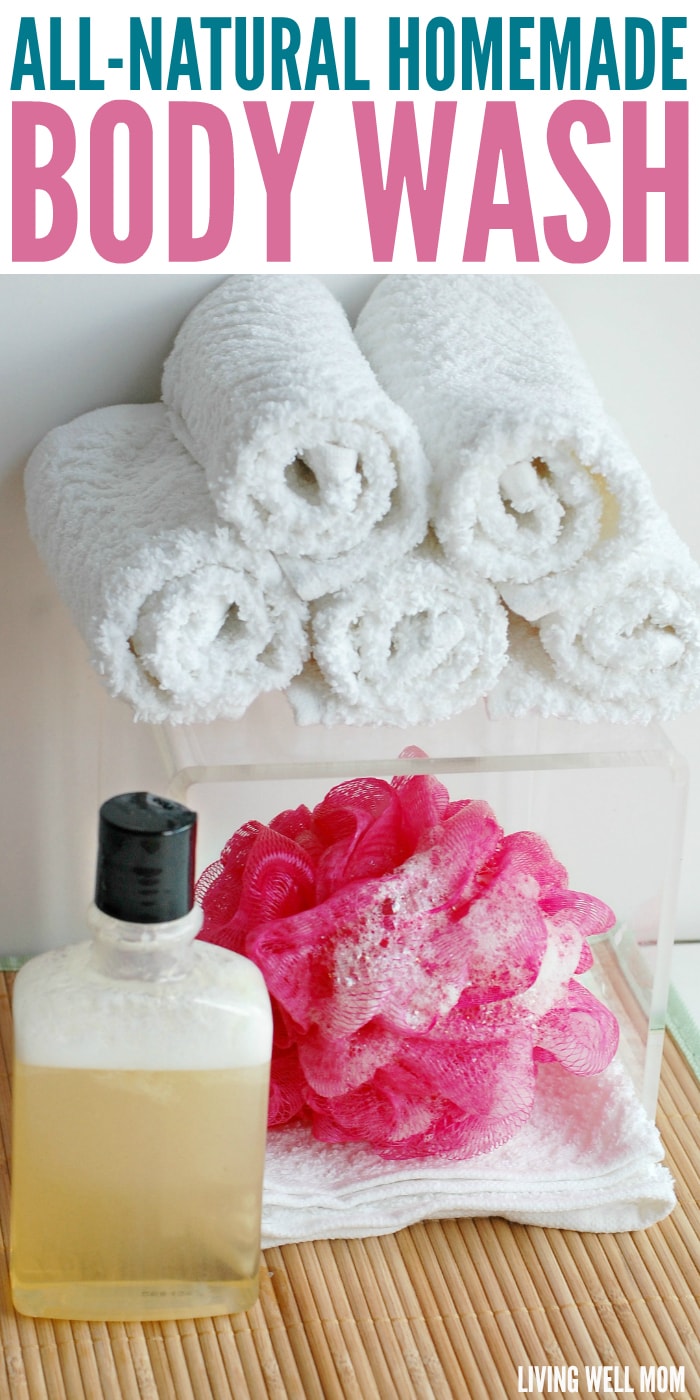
x=303 y=450
x=623 y=645
x=529 y=475
x=180 y=618
x=588 y=1159
x=408 y=645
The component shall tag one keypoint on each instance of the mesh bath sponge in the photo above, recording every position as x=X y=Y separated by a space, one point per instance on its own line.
x=421 y=965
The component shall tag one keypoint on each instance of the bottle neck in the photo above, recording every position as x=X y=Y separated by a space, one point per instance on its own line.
x=147 y=952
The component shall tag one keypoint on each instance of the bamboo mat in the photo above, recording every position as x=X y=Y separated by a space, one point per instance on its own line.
x=444 y=1309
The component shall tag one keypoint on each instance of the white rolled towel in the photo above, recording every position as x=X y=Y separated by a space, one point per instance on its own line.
x=181 y=619
x=302 y=449
x=530 y=477
x=622 y=646
x=418 y=642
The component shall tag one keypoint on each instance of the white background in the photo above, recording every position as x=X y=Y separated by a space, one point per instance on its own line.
x=69 y=344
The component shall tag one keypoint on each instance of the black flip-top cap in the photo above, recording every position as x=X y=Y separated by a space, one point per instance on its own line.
x=146 y=858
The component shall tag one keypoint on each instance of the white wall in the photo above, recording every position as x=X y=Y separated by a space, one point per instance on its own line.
x=74 y=343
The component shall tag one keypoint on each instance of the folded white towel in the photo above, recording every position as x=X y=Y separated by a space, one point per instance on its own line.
x=408 y=645
x=529 y=475
x=623 y=644
x=588 y=1159
x=181 y=619
x=302 y=449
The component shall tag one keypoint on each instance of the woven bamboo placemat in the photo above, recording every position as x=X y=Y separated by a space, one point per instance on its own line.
x=444 y=1309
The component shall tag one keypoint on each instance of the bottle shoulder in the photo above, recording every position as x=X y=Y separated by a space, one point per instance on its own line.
x=214 y=1014
x=77 y=966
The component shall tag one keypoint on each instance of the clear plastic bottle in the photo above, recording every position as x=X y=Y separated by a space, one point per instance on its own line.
x=141 y=1082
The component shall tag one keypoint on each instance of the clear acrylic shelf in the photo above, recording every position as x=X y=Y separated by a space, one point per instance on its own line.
x=609 y=799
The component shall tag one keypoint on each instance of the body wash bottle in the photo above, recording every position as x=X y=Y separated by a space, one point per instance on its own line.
x=141 y=1080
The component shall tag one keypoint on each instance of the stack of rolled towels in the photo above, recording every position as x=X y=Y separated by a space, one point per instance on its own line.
x=389 y=525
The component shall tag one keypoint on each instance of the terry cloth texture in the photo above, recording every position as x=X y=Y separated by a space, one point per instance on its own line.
x=302 y=449
x=621 y=645
x=180 y=618
x=529 y=476
x=534 y=485
x=588 y=1159
x=411 y=644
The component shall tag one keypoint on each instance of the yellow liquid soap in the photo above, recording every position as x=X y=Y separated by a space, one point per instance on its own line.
x=136 y=1193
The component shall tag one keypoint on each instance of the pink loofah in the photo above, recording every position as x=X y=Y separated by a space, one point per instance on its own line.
x=420 y=964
